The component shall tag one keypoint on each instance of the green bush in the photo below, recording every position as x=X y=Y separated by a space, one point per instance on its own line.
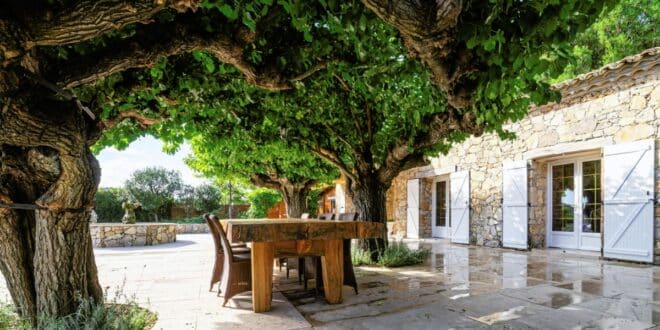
x=361 y=257
x=396 y=254
x=10 y=320
x=261 y=200
x=108 y=204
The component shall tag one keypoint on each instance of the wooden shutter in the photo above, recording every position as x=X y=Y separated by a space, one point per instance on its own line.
x=628 y=172
x=514 y=204
x=412 y=221
x=460 y=206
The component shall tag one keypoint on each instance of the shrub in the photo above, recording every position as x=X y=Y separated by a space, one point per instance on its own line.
x=89 y=315
x=361 y=257
x=396 y=254
x=399 y=254
x=261 y=200
x=10 y=320
x=108 y=204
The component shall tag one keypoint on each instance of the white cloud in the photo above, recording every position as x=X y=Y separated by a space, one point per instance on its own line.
x=117 y=166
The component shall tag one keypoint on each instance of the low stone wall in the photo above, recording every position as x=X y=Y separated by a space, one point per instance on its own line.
x=192 y=228
x=139 y=234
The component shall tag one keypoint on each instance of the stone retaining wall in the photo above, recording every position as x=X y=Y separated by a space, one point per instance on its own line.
x=192 y=228
x=139 y=234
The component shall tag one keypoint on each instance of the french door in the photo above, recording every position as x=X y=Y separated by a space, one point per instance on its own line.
x=575 y=204
x=440 y=209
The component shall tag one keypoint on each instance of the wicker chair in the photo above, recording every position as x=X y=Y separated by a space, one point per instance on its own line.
x=237 y=270
x=239 y=248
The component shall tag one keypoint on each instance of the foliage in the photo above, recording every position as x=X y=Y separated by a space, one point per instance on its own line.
x=206 y=197
x=361 y=257
x=396 y=254
x=629 y=28
x=261 y=200
x=108 y=204
x=154 y=188
x=9 y=319
x=89 y=315
x=313 y=199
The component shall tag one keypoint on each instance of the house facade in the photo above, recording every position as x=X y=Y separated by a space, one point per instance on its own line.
x=582 y=174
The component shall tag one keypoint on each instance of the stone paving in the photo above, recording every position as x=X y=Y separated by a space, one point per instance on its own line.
x=459 y=287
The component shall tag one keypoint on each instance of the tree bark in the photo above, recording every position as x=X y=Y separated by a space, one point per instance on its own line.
x=295 y=199
x=46 y=255
x=369 y=199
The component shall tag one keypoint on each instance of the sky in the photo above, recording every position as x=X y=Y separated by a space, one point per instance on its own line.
x=117 y=166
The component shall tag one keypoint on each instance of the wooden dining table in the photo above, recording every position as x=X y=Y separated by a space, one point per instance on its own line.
x=280 y=238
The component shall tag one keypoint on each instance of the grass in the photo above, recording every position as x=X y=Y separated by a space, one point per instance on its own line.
x=89 y=316
x=396 y=254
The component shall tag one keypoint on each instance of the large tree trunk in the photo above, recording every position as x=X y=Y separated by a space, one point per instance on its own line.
x=46 y=254
x=369 y=199
x=295 y=199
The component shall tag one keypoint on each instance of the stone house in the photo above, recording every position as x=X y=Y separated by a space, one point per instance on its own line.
x=581 y=174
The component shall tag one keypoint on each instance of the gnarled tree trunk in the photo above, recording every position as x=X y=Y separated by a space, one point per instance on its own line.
x=295 y=199
x=369 y=199
x=46 y=254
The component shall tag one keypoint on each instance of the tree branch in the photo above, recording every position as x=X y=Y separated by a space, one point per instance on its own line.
x=404 y=156
x=146 y=54
x=333 y=158
x=428 y=30
x=87 y=19
x=265 y=181
x=141 y=119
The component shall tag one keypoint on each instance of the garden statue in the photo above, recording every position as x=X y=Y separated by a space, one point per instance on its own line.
x=129 y=209
x=93 y=217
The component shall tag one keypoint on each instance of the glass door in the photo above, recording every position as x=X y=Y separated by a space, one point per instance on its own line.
x=574 y=204
x=440 y=217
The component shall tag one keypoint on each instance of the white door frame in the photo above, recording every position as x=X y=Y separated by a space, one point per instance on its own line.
x=576 y=239
x=439 y=231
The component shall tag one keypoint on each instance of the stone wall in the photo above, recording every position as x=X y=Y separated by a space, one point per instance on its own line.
x=192 y=228
x=625 y=115
x=139 y=234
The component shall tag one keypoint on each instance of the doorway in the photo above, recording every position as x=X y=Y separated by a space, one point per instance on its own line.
x=575 y=204
x=440 y=209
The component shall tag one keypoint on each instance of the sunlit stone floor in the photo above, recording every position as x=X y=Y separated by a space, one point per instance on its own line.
x=458 y=287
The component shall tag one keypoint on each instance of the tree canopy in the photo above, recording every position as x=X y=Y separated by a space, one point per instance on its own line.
x=76 y=71
x=155 y=188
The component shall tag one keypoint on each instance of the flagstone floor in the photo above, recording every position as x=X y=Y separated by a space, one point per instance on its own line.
x=459 y=287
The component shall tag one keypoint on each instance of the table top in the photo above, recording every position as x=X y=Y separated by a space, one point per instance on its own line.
x=274 y=230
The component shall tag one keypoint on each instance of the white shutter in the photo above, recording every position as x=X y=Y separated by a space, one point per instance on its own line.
x=340 y=199
x=460 y=206
x=514 y=204
x=628 y=201
x=412 y=221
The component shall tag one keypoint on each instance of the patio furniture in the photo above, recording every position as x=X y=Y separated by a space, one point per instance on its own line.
x=302 y=237
x=238 y=248
x=326 y=216
x=349 y=272
x=237 y=272
x=304 y=216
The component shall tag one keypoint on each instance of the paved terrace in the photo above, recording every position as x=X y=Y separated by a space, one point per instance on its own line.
x=459 y=287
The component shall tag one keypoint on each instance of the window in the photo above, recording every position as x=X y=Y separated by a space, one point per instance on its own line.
x=441 y=203
x=563 y=197
x=591 y=197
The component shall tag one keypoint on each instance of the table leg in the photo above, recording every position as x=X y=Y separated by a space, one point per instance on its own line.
x=262 y=276
x=333 y=270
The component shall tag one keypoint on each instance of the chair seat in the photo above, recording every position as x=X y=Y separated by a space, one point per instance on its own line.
x=240 y=250
x=242 y=257
x=238 y=244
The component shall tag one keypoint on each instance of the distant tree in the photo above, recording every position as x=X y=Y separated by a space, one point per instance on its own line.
x=206 y=197
x=629 y=28
x=185 y=197
x=155 y=188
